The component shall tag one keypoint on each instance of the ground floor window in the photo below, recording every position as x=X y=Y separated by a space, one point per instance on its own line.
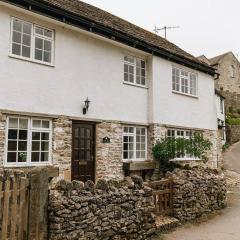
x=181 y=133
x=28 y=141
x=134 y=143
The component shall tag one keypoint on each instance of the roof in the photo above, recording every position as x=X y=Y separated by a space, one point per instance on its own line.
x=215 y=60
x=107 y=21
x=204 y=59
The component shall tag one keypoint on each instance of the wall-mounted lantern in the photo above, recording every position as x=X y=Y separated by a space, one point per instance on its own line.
x=86 y=106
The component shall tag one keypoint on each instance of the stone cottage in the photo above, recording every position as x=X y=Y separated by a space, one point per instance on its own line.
x=228 y=81
x=90 y=93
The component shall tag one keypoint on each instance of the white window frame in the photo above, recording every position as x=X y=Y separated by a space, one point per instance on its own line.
x=32 y=46
x=185 y=158
x=30 y=129
x=135 y=159
x=134 y=83
x=185 y=85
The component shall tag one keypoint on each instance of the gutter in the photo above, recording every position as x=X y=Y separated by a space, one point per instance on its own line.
x=67 y=17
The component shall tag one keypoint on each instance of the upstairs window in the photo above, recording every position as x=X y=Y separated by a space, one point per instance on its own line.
x=184 y=82
x=32 y=42
x=134 y=70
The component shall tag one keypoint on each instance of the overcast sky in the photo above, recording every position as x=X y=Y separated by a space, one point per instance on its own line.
x=209 y=27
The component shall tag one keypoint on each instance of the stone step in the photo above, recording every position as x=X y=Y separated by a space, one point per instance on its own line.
x=166 y=223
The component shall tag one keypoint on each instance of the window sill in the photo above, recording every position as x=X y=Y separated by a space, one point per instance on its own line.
x=135 y=85
x=185 y=159
x=27 y=165
x=184 y=94
x=30 y=60
x=134 y=160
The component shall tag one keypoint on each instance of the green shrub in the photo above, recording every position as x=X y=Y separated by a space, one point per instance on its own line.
x=233 y=121
x=225 y=147
x=170 y=148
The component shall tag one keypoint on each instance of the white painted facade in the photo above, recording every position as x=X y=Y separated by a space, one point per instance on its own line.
x=86 y=66
x=177 y=109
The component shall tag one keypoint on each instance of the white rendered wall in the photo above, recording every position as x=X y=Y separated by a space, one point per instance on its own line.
x=84 y=67
x=88 y=67
x=180 y=110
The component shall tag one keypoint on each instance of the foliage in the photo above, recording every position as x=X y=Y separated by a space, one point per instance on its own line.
x=233 y=121
x=170 y=148
x=225 y=147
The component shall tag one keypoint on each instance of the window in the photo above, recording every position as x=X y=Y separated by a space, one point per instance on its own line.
x=134 y=143
x=180 y=133
x=221 y=105
x=232 y=71
x=32 y=42
x=184 y=82
x=134 y=70
x=28 y=141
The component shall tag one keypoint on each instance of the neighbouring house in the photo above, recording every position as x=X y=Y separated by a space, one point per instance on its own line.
x=91 y=93
x=228 y=82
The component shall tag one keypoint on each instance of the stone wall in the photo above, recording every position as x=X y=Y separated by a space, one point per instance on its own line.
x=62 y=145
x=109 y=163
x=225 y=80
x=2 y=137
x=196 y=192
x=155 y=133
x=233 y=133
x=118 y=210
x=232 y=100
x=212 y=155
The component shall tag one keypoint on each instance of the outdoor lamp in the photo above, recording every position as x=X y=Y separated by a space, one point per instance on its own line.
x=86 y=106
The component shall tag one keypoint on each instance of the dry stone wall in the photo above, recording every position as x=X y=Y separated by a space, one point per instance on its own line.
x=196 y=192
x=117 y=210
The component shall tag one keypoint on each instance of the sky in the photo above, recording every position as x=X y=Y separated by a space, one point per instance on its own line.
x=209 y=27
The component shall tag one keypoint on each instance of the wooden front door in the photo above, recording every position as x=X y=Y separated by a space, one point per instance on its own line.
x=83 y=152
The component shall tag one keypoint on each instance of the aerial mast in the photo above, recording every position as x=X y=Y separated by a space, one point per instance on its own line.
x=164 y=28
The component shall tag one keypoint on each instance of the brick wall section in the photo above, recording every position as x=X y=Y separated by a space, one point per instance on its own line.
x=2 y=137
x=62 y=143
x=109 y=163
